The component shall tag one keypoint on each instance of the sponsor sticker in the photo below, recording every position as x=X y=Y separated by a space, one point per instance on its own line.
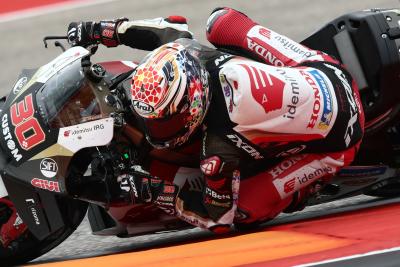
x=216 y=195
x=293 y=46
x=51 y=186
x=19 y=85
x=266 y=89
x=295 y=181
x=284 y=165
x=251 y=151
x=254 y=45
x=48 y=167
x=327 y=111
x=210 y=166
x=228 y=92
x=141 y=107
x=10 y=143
x=222 y=59
x=265 y=32
x=291 y=108
x=317 y=99
x=83 y=130
x=31 y=205
x=88 y=134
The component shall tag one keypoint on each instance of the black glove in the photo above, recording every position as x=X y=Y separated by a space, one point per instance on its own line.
x=87 y=33
x=81 y=34
x=150 y=190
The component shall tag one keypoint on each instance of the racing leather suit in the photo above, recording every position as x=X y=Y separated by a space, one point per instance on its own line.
x=282 y=118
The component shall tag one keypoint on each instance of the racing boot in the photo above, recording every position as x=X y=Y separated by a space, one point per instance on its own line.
x=11 y=225
x=185 y=202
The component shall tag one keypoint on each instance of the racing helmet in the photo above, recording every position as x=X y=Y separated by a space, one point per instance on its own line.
x=170 y=94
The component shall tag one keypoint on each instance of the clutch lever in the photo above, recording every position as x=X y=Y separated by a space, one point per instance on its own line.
x=45 y=39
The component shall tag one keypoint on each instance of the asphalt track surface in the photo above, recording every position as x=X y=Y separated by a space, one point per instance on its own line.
x=21 y=47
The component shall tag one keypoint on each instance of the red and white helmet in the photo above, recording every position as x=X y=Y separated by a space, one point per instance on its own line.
x=170 y=94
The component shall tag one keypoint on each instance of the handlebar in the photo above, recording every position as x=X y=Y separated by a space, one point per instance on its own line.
x=45 y=39
x=92 y=48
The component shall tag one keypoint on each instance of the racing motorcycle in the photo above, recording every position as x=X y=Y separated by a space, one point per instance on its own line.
x=67 y=134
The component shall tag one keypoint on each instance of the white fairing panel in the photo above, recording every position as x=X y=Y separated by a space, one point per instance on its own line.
x=3 y=190
x=47 y=71
x=69 y=56
x=88 y=134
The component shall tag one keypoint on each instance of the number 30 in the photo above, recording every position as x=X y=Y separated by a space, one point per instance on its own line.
x=27 y=128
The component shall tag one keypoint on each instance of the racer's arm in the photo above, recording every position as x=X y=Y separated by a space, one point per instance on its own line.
x=233 y=30
x=140 y=34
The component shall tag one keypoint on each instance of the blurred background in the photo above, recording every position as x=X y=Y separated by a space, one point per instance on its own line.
x=21 y=47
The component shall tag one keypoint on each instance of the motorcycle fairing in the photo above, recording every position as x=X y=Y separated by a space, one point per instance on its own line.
x=38 y=209
x=44 y=73
x=23 y=99
x=48 y=169
x=30 y=177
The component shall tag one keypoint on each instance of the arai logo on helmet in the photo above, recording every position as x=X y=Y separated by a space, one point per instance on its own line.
x=141 y=107
x=48 y=167
x=19 y=85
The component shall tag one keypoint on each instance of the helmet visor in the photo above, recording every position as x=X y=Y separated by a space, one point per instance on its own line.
x=162 y=131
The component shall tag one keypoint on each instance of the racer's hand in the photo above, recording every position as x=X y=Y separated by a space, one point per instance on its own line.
x=87 y=33
x=81 y=34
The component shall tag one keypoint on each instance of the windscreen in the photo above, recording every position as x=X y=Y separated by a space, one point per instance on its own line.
x=68 y=98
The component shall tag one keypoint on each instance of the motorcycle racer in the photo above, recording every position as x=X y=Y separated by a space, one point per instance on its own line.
x=270 y=112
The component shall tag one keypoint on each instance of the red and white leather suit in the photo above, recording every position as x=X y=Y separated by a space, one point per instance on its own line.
x=283 y=101
x=281 y=118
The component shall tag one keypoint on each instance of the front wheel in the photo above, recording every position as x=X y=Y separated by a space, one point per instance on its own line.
x=26 y=247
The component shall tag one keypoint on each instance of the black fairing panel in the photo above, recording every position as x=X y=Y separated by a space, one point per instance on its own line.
x=37 y=208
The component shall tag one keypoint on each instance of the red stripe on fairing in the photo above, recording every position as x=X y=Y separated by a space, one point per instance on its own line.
x=367 y=230
x=18 y=5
